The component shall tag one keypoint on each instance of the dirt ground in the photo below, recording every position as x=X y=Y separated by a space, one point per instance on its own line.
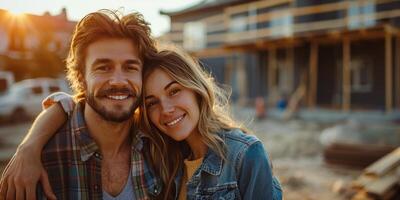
x=293 y=146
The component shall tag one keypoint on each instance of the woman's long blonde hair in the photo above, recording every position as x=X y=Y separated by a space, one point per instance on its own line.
x=167 y=154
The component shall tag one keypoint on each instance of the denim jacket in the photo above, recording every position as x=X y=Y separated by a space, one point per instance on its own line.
x=245 y=174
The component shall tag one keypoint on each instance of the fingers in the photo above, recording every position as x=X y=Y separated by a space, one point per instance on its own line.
x=31 y=192
x=10 y=191
x=44 y=179
x=3 y=190
x=19 y=192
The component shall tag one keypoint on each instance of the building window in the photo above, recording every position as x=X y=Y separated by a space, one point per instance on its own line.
x=238 y=24
x=361 y=14
x=282 y=26
x=361 y=75
x=194 y=36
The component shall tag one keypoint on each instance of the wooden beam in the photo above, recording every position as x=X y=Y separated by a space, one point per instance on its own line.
x=290 y=66
x=242 y=79
x=211 y=52
x=398 y=71
x=388 y=73
x=313 y=75
x=271 y=70
x=258 y=4
x=346 y=98
x=384 y=165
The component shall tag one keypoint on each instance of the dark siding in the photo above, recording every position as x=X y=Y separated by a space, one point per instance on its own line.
x=375 y=50
x=329 y=74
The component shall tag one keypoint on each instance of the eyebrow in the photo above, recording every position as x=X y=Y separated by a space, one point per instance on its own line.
x=101 y=61
x=106 y=60
x=165 y=88
x=133 y=62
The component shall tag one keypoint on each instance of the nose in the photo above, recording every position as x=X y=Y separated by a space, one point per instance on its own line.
x=118 y=78
x=167 y=106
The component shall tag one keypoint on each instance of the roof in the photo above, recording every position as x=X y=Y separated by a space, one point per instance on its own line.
x=46 y=22
x=204 y=4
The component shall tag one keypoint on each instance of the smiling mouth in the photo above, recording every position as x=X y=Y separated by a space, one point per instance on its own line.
x=175 y=121
x=118 y=97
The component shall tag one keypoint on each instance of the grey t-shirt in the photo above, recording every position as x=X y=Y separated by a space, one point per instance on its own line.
x=127 y=192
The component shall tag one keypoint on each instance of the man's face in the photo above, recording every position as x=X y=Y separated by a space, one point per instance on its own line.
x=113 y=77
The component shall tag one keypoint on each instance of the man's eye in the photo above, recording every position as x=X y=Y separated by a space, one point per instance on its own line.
x=102 y=68
x=132 y=68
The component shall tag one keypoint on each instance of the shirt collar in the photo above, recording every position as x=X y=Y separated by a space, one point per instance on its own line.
x=212 y=162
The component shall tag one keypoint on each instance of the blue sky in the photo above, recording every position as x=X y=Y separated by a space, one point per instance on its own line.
x=76 y=9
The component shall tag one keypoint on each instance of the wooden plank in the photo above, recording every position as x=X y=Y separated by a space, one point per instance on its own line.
x=362 y=195
x=177 y=26
x=211 y=52
x=214 y=18
x=384 y=164
x=259 y=4
x=346 y=97
x=242 y=80
x=216 y=37
x=315 y=9
x=290 y=65
x=381 y=186
x=388 y=73
x=398 y=71
x=313 y=74
x=362 y=181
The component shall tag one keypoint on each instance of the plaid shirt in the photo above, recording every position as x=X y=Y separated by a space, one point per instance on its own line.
x=73 y=161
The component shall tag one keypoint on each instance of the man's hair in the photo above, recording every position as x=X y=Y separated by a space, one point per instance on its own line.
x=105 y=24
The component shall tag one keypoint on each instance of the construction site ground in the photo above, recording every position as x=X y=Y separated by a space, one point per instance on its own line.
x=293 y=146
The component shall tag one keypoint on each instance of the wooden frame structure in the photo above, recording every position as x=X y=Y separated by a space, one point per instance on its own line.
x=316 y=32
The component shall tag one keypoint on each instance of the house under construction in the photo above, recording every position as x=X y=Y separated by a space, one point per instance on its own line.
x=341 y=54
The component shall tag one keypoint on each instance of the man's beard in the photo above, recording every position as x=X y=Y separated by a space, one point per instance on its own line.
x=120 y=116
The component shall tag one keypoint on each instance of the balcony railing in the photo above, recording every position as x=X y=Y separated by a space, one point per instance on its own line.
x=275 y=19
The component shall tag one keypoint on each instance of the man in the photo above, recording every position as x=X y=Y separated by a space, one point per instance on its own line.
x=97 y=153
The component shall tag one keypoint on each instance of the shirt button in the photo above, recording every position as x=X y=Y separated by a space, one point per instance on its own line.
x=96 y=187
x=97 y=155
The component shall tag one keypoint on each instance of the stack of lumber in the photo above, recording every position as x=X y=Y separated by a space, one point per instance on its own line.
x=381 y=180
x=355 y=155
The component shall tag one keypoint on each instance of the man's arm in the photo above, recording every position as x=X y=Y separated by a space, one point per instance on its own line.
x=25 y=169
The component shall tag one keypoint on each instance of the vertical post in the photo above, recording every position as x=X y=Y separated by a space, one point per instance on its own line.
x=388 y=72
x=398 y=71
x=313 y=75
x=290 y=64
x=242 y=80
x=346 y=98
x=271 y=70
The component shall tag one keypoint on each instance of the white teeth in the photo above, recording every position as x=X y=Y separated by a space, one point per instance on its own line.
x=118 y=97
x=175 y=121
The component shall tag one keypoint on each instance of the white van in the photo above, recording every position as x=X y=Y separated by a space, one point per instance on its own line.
x=23 y=100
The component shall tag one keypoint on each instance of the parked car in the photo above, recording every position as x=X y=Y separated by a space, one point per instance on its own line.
x=23 y=100
x=6 y=80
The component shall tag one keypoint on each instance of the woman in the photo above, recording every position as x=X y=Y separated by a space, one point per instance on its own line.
x=201 y=151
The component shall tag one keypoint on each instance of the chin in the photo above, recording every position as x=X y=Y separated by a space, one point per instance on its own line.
x=178 y=138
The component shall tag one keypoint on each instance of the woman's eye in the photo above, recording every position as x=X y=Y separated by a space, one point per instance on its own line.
x=150 y=104
x=174 y=91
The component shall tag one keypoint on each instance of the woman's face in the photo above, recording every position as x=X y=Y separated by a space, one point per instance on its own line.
x=172 y=108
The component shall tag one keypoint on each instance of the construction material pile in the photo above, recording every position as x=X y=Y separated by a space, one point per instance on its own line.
x=380 y=180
